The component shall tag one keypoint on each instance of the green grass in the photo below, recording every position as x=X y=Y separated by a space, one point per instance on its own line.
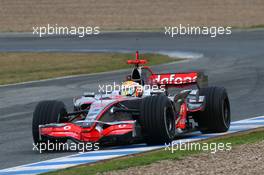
x=21 y=67
x=158 y=155
x=257 y=26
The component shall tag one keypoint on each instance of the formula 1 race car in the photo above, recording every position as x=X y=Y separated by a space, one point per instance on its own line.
x=172 y=104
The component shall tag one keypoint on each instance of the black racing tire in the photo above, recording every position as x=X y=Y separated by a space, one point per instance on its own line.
x=216 y=116
x=157 y=120
x=48 y=112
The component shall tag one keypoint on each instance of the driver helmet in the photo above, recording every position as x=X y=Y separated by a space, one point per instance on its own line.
x=131 y=88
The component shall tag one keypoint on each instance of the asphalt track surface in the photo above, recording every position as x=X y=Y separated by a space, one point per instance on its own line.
x=235 y=62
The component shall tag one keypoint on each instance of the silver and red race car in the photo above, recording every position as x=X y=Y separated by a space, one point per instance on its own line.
x=172 y=104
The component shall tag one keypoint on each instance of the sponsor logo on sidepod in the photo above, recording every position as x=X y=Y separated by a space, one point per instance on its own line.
x=175 y=78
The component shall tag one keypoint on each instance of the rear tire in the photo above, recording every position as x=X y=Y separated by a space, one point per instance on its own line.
x=47 y=112
x=216 y=116
x=157 y=120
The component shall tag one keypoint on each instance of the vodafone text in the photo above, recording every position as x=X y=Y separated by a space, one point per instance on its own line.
x=174 y=79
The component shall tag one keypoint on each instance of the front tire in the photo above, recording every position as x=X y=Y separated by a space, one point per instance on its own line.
x=47 y=112
x=216 y=116
x=157 y=120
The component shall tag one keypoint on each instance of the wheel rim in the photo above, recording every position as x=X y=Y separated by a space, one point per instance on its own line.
x=168 y=121
x=61 y=116
x=226 y=113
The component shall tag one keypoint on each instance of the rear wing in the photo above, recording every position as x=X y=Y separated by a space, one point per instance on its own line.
x=167 y=79
x=180 y=79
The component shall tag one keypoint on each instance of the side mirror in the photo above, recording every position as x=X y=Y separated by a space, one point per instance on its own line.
x=113 y=110
x=89 y=94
